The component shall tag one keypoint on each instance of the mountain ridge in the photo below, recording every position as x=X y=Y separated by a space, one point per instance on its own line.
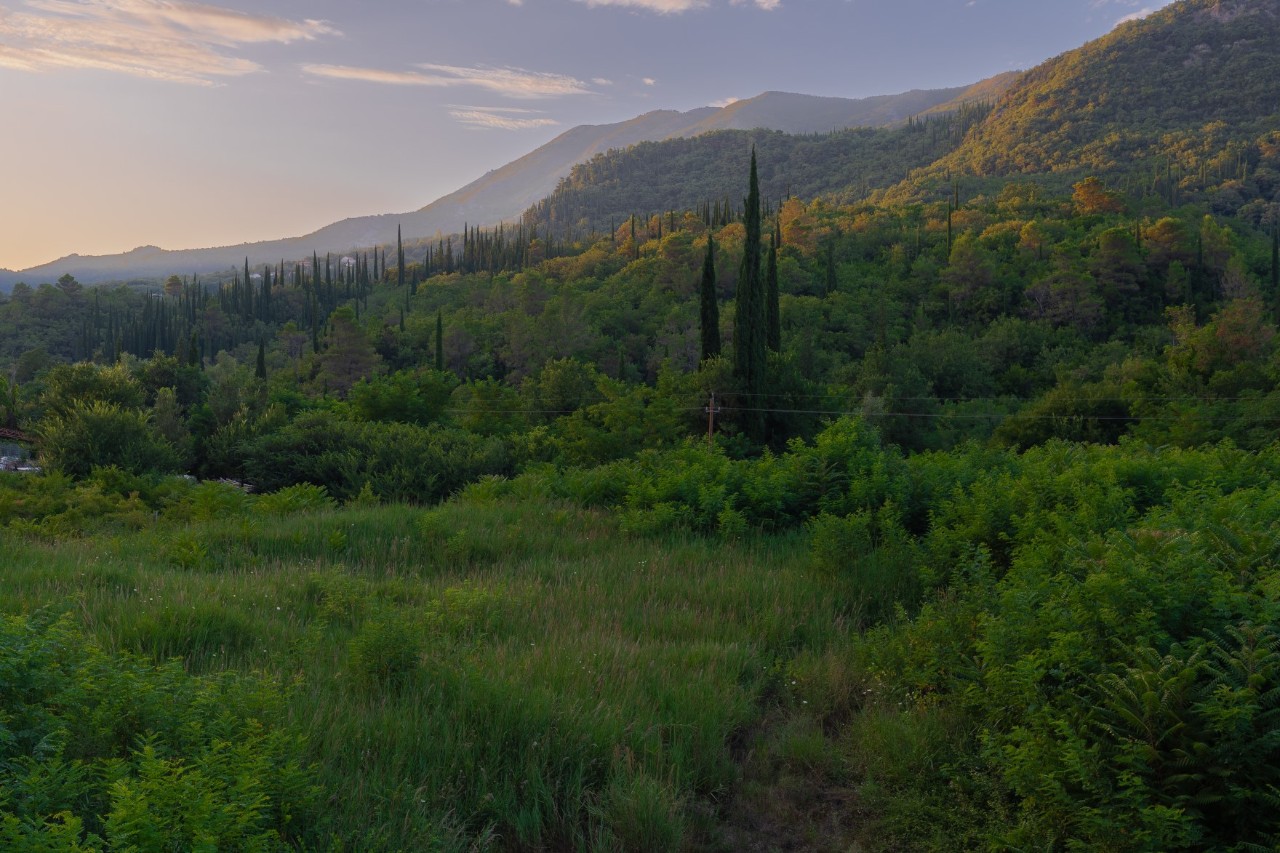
x=506 y=192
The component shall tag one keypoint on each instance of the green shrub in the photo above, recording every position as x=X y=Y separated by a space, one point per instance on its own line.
x=212 y=500
x=337 y=597
x=103 y=751
x=871 y=553
x=104 y=434
x=186 y=551
x=398 y=461
x=303 y=497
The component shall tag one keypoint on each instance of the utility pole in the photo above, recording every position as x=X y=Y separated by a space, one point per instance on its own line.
x=712 y=410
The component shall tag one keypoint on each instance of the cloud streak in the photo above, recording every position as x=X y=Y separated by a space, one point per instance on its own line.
x=676 y=7
x=1148 y=8
x=499 y=118
x=171 y=40
x=510 y=82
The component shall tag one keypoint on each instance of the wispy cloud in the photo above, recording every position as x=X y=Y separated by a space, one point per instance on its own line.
x=662 y=7
x=501 y=118
x=172 y=40
x=511 y=82
x=1147 y=7
x=1136 y=16
x=675 y=7
x=367 y=75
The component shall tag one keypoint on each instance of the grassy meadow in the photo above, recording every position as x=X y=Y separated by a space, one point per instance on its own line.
x=838 y=647
x=488 y=673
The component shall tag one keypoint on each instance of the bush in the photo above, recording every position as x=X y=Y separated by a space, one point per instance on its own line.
x=303 y=497
x=397 y=462
x=103 y=434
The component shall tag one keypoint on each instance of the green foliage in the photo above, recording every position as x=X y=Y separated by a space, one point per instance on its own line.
x=212 y=500
x=105 y=752
x=399 y=462
x=642 y=814
x=386 y=649
x=750 y=326
x=697 y=488
x=303 y=497
x=1095 y=588
x=407 y=396
x=876 y=555
x=96 y=434
x=709 y=304
x=348 y=357
x=66 y=386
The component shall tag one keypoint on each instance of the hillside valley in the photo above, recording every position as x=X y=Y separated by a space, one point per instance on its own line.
x=896 y=487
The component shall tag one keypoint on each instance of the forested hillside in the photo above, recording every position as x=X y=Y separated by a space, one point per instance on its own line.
x=1179 y=103
x=685 y=174
x=941 y=519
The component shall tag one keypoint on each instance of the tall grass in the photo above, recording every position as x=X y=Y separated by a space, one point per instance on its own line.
x=487 y=673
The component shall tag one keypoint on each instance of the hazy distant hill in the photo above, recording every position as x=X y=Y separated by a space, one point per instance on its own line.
x=506 y=192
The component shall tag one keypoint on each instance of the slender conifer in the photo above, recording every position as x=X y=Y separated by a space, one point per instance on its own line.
x=710 y=304
x=749 y=326
x=440 y=341
x=773 y=317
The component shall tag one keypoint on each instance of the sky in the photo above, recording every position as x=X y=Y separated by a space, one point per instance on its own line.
x=191 y=124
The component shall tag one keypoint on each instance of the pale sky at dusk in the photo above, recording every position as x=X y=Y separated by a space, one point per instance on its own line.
x=185 y=124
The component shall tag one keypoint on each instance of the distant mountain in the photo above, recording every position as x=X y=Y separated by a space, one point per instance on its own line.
x=809 y=114
x=504 y=193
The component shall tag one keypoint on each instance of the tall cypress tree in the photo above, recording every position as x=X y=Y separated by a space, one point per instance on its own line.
x=831 y=266
x=261 y=371
x=773 y=316
x=1275 y=261
x=440 y=340
x=399 y=259
x=749 y=330
x=710 y=304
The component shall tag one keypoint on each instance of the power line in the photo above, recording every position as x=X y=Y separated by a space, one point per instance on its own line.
x=872 y=414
